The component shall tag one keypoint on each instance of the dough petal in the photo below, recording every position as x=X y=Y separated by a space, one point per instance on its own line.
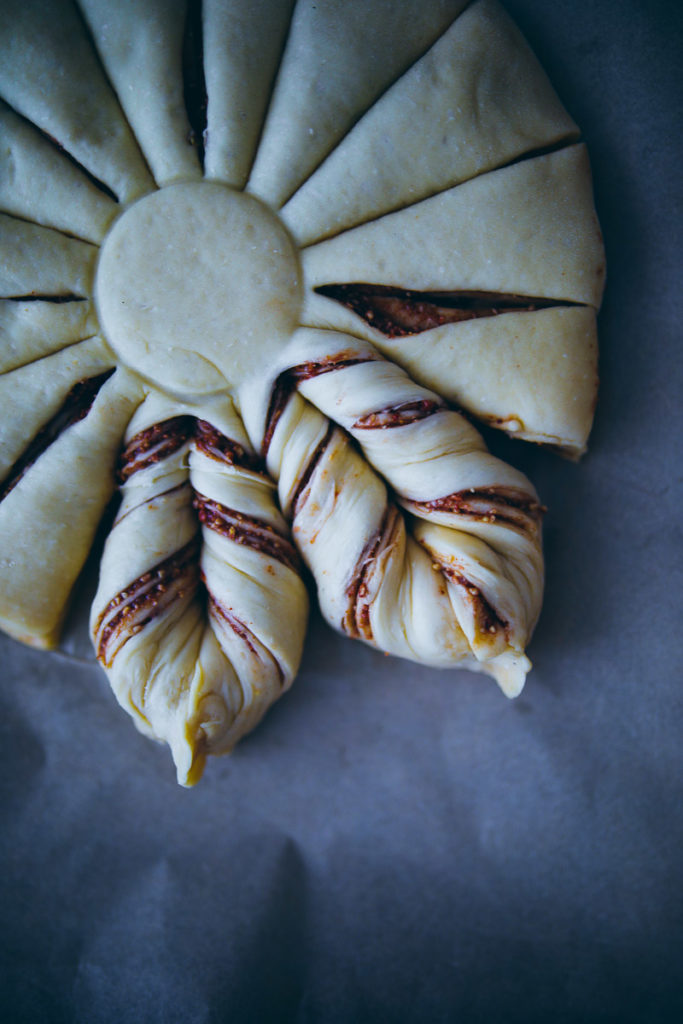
x=39 y=183
x=49 y=519
x=140 y=43
x=197 y=686
x=43 y=42
x=526 y=229
x=475 y=101
x=481 y=590
x=31 y=329
x=242 y=46
x=31 y=396
x=340 y=56
x=40 y=261
x=533 y=375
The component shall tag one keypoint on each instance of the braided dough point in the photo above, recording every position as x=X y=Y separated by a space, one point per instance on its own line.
x=197 y=531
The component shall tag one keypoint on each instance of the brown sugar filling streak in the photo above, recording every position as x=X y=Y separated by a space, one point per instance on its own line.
x=487 y=505
x=173 y=579
x=356 y=621
x=178 y=576
x=400 y=312
x=486 y=618
x=154 y=444
x=246 y=530
x=75 y=407
x=398 y=415
x=241 y=630
x=217 y=446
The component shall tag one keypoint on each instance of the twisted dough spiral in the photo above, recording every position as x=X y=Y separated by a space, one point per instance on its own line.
x=197 y=532
x=459 y=579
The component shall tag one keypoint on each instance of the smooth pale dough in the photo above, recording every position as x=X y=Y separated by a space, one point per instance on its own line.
x=242 y=46
x=40 y=261
x=340 y=56
x=197 y=287
x=199 y=686
x=527 y=229
x=50 y=74
x=475 y=101
x=532 y=374
x=141 y=46
x=32 y=329
x=49 y=520
x=38 y=183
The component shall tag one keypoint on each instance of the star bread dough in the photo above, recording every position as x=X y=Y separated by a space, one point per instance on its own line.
x=264 y=265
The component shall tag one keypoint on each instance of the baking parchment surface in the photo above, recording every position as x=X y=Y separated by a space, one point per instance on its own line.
x=397 y=843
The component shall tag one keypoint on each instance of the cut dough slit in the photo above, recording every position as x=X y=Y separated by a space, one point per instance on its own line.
x=34 y=297
x=398 y=312
x=194 y=82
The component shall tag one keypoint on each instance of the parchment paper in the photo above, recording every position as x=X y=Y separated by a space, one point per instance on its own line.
x=394 y=843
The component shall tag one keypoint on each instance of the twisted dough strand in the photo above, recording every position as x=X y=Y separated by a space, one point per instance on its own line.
x=197 y=532
x=461 y=580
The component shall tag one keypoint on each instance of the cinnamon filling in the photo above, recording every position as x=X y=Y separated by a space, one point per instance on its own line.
x=399 y=312
x=298 y=497
x=245 y=634
x=486 y=618
x=339 y=361
x=176 y=578
x=247 y=530
x=279 y=397
x=489 y=505
x=356 y=621
x=398 y=415
x=75 y=407
x=157 y=442
x=217 y=446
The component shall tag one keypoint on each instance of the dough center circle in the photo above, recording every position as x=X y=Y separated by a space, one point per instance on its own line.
x=197 y=287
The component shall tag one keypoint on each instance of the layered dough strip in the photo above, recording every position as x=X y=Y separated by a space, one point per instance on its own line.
x=339 y=57
x=475 y=101
x=197 y=685
x=464 y=584
x=51 y=75
x=54 y=495
x=140 y=43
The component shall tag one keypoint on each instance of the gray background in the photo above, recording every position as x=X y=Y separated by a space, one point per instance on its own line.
x=397 y=843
